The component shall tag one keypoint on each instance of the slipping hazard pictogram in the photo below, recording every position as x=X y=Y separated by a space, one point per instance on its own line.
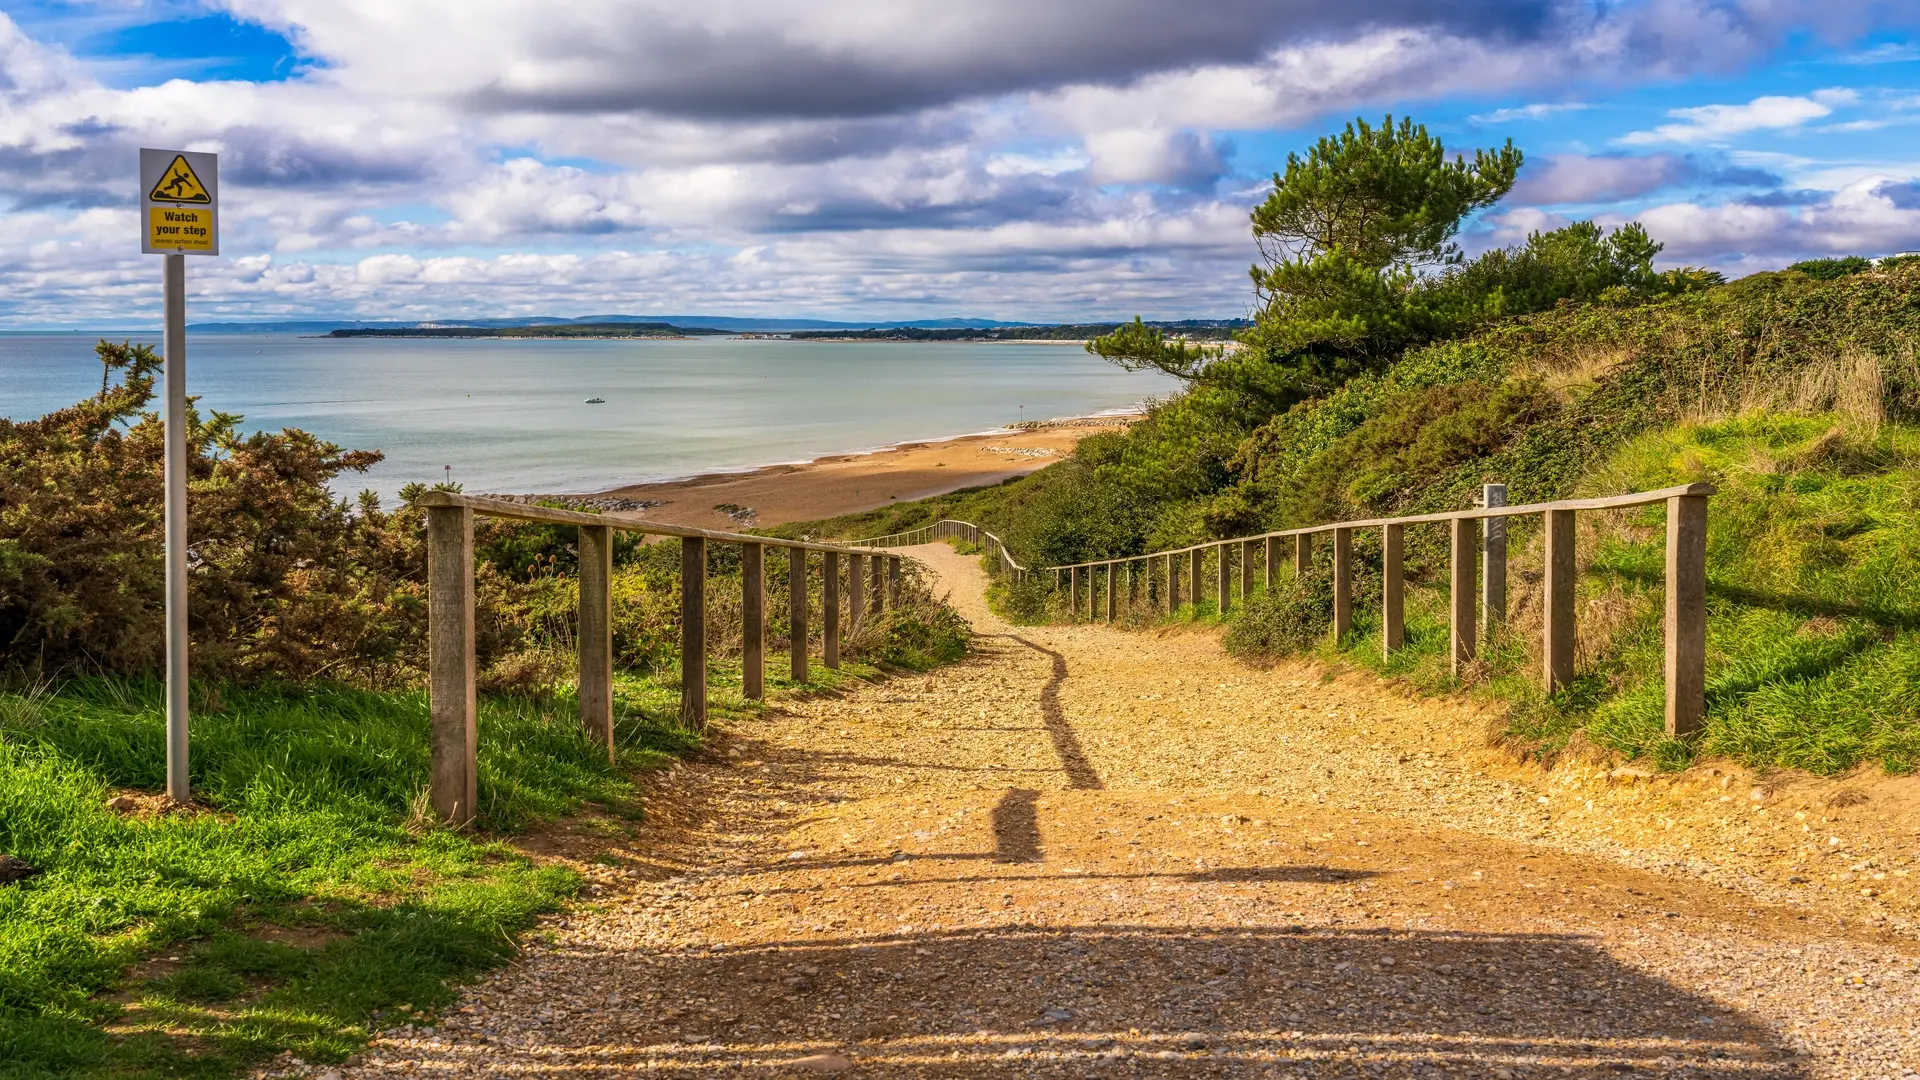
x=179 y=184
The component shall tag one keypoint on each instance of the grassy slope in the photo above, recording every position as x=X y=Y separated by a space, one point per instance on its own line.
x=312 y=827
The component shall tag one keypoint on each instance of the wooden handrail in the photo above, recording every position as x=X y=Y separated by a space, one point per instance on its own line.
x=504 y=508
x=949 y=529
x=1610 y=502
x=1471 y=570
x=453 y=670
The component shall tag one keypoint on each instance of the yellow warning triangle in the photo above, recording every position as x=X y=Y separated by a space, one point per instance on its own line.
x=179 y=184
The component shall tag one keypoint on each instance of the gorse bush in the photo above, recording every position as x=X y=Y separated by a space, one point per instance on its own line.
x=285 y=578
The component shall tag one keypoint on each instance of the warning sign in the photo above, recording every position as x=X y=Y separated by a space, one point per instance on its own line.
x=179 y=202
x=180 y=185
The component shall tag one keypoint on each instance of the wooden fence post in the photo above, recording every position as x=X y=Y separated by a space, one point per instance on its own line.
x=1113 y=605
x=1342 y=583
x=1273 y=562
x=455 y=783
x=893 y=581
x=693 y=632
x=1073 y=594
x=856 y=593
x=1465 y=537
x=1302 y=554
x=830 y=610
x=1246 y=568
x=596 y=633
x=753 y=621
x=1493 y=560
x=1557 y=605
x=1133 y=584
x=1686 y=614
x=877 y=585
x=1195 y=578
x=797 y=612
x=1225 y=574
x=1393 y=601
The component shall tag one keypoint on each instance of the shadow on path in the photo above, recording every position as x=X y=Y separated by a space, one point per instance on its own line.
x=1143 y=1001
x=1073 y=758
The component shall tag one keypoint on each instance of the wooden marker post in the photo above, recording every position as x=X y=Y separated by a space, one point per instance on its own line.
x=1686 y=614
x=797 y=613
x=1557 y=614
x=753 y=621
x=596 y=633
x=693 y=632
x=454 y=788
x=1465 y=536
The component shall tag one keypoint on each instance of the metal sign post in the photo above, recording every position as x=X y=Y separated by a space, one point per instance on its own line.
x=179 y=216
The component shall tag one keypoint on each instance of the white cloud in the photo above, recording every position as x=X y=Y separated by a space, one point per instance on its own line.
x=1718 y=123
x=1526 y=112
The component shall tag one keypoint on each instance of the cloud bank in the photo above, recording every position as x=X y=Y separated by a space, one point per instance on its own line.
x=875 y=157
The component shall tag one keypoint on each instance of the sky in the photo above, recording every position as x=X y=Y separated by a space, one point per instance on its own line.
x=1059 y=160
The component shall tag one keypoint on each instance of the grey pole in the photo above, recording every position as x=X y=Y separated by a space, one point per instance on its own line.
x=174 y=343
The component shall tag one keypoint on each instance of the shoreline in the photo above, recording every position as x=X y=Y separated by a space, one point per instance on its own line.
x=851 y=482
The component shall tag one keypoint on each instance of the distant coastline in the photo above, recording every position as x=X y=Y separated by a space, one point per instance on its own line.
x=588 y=331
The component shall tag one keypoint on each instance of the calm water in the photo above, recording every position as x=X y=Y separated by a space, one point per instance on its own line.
x=509 y=416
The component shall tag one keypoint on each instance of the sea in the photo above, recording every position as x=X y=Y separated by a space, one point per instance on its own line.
x=511 y=415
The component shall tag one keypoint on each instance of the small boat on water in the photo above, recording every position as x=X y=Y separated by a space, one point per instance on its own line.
x=596 y=401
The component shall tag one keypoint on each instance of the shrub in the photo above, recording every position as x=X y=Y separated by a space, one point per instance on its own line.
x=1294 y=616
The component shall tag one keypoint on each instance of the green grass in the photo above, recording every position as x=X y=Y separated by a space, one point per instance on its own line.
x=1813 y=632
x=310 y=825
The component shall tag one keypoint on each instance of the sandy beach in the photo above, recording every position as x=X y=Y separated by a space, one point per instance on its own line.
x=850 y=483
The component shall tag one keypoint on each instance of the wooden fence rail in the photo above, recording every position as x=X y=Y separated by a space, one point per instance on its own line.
x=453 y=672
x=947 y=529
x=1477 y=579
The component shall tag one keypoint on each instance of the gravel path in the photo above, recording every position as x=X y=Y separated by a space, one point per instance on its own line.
x=1089 y=853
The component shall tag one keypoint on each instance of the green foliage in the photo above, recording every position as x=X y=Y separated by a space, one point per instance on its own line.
x=1829 y=269
x=1293 y=616
x=918 y=633
x=313 y=830
x=1360 y=266
x=1386 y=196
x=273 y=589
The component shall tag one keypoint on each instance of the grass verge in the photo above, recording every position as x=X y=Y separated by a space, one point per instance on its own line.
x=305 y=897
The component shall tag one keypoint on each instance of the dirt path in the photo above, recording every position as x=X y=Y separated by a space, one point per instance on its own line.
x=1085 y=853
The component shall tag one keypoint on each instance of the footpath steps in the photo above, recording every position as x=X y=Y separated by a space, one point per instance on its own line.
x=1084 y=852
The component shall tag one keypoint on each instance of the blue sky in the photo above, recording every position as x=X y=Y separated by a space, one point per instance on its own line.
x=899 y=158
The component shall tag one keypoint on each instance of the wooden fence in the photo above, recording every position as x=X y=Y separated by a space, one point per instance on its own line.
x=453 y=671
x=1477 y=579
x=948 y=529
